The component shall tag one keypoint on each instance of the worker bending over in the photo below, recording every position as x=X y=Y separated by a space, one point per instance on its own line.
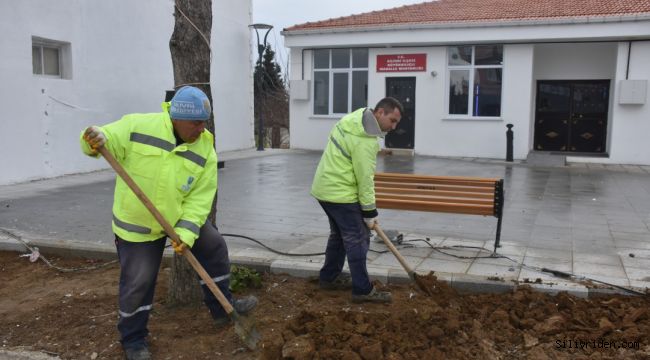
x=172 y=159
x=344 y=186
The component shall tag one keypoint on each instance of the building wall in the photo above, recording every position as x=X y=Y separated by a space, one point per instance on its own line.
x=575 y=61
x=428 y=97
x=531 y=53
x=518 y=97
x=629 y=124
x=307 y=131
x=487 y=138
x=435 y=132
x=120 y=63
x=232 y=74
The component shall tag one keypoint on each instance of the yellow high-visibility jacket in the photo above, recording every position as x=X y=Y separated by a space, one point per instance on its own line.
x=346 y=170
x=181 y=181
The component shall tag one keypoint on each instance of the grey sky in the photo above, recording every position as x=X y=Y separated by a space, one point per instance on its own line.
x=285 y=13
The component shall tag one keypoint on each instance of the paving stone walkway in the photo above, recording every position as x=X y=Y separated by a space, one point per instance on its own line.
x=590 y=220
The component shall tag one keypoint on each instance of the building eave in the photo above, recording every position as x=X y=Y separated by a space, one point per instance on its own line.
x=470 y=24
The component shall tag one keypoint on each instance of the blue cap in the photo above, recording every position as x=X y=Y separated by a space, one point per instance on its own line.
x=190 y=103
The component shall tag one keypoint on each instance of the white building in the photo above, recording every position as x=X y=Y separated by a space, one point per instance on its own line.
x=572 y=77
x=71 y=63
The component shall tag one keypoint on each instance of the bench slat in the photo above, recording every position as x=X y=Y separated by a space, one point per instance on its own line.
x=438 y=182
x=437 y=199
x=421 y=186
x=425 y=192
x=434 y=179
x=471 y=209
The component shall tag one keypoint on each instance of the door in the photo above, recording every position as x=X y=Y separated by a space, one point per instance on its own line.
x=402 y=89
x=571 y=116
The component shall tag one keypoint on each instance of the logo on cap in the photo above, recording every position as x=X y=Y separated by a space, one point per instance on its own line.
x=206 y=106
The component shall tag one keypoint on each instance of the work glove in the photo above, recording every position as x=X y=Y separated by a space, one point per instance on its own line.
x=95 y=138
x=371 y=222
x=179 y=247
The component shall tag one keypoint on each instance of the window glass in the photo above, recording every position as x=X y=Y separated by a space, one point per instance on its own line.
x=321 y=92
x=475 y=78
x=51 y=58
x=359 y=89
x=487 y=92
x=458 y=92
x=51 y=61
x=340 y=95
x=340 y=78
x=359 y=58
x=37 y=65
x=460 y=55
x=322 y=59
x=340 y=58
x=489 y=55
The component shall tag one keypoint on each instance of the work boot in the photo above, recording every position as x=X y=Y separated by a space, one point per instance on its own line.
x=373 y=296
x=140 y=353
x=242 y=306
x=342 y=282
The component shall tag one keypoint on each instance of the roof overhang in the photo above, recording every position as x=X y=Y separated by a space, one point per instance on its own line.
x=472 y=24
x=603 y=28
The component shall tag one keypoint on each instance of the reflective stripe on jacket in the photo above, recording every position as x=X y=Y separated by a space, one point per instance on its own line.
x=181 y=181
x=346 y=171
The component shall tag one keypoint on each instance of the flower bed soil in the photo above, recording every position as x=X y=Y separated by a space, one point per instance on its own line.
x=74 y=315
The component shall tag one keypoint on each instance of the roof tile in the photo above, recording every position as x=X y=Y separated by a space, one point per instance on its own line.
x=459 y=11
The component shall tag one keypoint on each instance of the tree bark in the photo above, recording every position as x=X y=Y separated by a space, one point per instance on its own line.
x=190 y=50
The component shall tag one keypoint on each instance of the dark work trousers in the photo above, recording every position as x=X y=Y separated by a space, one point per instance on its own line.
x=349 y=237
x=139 y=264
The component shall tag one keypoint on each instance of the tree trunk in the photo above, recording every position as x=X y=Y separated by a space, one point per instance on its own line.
x=190 y=51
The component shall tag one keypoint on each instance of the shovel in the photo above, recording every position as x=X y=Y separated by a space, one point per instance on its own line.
x=420 y=280
x=245 y=328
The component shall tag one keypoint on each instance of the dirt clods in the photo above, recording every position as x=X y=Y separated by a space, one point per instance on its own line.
x=74 y=316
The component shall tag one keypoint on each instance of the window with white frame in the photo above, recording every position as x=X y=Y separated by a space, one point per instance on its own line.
x=49 y=57
x=475 y=73
x=340 y=80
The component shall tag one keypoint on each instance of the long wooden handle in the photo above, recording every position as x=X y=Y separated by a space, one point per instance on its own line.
x=393 y=249
x=168 y=228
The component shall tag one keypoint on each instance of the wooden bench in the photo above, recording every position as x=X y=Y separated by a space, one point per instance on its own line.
x=448 y=194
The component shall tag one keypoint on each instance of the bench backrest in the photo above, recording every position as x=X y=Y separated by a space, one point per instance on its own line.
x=451 y=194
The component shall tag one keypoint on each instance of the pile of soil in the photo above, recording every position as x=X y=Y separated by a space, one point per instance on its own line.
x=74 y=315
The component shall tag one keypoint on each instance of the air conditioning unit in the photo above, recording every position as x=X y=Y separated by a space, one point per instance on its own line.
x=299 y=89
x=633 y=92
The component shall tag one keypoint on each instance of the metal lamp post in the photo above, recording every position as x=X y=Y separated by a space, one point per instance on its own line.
x=260 y=50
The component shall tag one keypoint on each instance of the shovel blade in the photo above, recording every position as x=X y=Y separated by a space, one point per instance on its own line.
x=246 y=330
x=426 y=283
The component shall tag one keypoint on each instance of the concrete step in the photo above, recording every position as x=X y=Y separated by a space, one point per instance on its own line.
x=544 y=158
x=398 y=152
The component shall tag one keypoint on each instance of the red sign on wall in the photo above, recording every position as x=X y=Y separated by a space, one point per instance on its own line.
x=403 y=62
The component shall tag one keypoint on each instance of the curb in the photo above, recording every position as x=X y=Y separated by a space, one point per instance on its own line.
x=463 y=283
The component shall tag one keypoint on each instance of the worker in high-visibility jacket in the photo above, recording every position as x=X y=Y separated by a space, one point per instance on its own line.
x=173 y=160
x=344 y=187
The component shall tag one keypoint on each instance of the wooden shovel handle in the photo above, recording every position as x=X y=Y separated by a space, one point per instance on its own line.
x=169 y=230
x=393 y=249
